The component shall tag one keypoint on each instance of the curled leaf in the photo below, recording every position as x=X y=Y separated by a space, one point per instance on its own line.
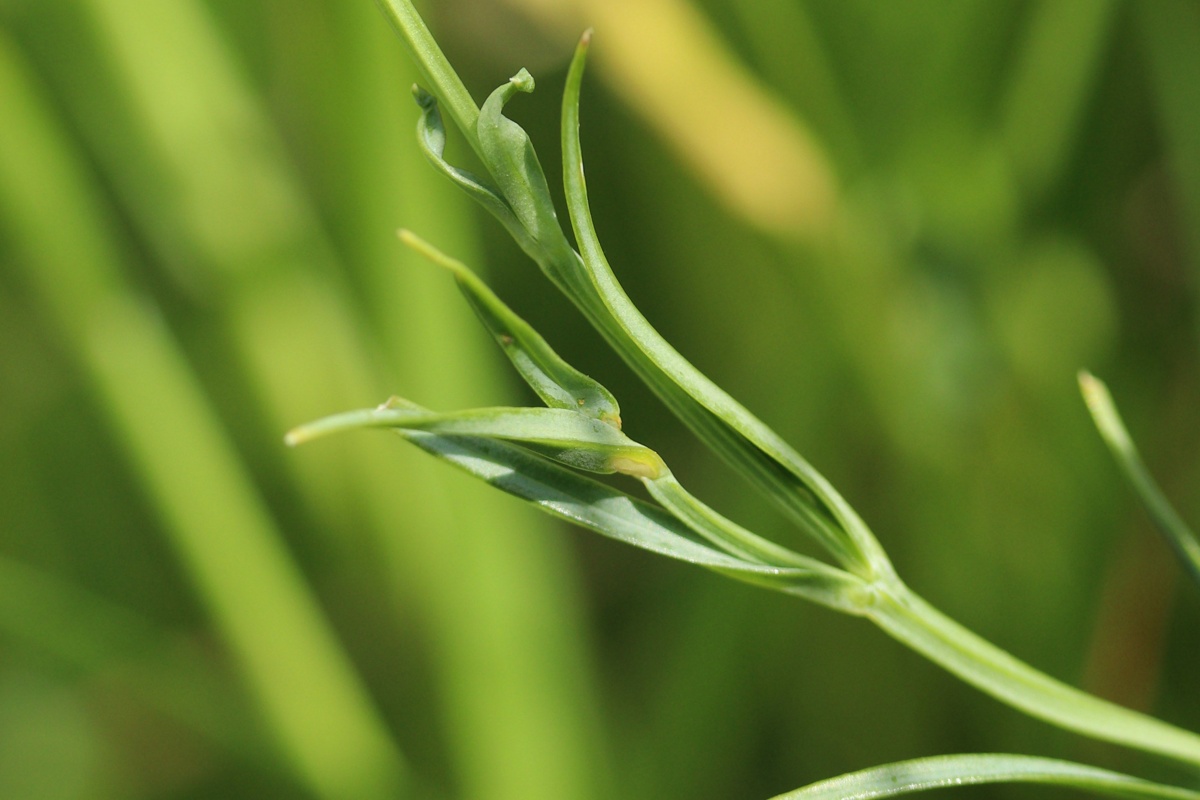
x=511 y=159
x=431 y=135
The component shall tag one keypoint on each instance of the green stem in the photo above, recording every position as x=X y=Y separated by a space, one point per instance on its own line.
x=756 y=450
x=443 y=81
x=912 y=621
x=1120 y=444
x=975 y=769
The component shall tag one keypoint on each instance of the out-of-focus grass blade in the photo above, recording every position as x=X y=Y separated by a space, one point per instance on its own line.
x=299 y=674
x=719 y=420
x=507 y=639
x=944 y=772
x=224 y=534
x=793 y=56
x=88 y=633
x=1170 y=34
x=1056 y=67
x=1120 y=444
x=517 y=715
x=753 y=153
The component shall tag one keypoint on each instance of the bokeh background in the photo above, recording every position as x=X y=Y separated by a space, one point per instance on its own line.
x=894 y=230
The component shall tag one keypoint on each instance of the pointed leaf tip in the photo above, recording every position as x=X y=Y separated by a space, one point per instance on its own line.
x=1088 y=383
x=523 y=81
x=424 y=99
x=431 y=253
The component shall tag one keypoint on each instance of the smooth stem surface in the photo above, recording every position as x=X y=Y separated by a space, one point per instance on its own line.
x=944 y=772
x=912 y=621
x=444 y=81
x=756 y=450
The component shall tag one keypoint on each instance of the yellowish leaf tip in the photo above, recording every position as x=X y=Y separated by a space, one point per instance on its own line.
x=647 y=465
x=430 y=252
x=1095 y=393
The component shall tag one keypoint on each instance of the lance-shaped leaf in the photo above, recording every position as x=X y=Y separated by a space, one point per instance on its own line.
x=598 y=507
x=942 y=772
x=567 y=437
x=558 y=383
x=1120 y=444
x=719 y=420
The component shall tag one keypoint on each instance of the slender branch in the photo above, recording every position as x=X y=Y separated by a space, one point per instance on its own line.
x=912 y=621
x=718 y=419
x=1120 y=444
x=443 y=81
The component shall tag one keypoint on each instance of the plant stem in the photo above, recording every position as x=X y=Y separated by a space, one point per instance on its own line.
x=911 y=620
x=444 y=81
x=1120 y=444
x=754 y=449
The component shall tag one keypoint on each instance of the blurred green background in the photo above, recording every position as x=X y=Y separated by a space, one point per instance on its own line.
x=894 y=230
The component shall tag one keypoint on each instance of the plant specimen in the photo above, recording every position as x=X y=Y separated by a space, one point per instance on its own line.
x=538 y=454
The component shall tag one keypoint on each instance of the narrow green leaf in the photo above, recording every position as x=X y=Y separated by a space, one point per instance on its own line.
x=576 y=441
x=943 y=772
x=567 y=437
x=558 y=383
x=593 y=505
x=562 y=386
x=1120 y=444
x=721 y=422
x=714 y=527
